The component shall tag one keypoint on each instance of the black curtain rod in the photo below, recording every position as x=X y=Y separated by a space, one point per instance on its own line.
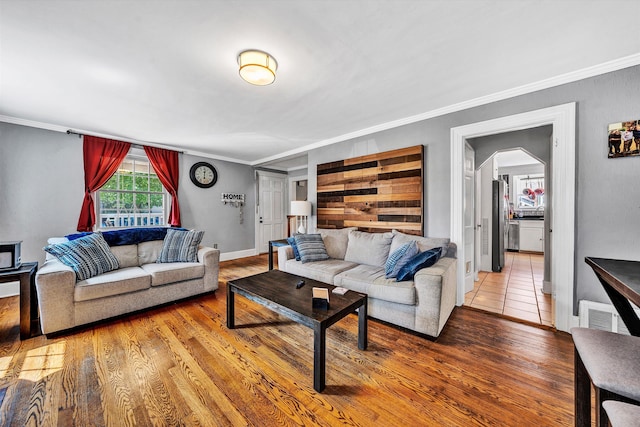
x=80 y=135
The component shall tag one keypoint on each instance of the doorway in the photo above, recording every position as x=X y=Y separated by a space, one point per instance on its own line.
x=516 y=288
x=270 y=218
x=561 y=217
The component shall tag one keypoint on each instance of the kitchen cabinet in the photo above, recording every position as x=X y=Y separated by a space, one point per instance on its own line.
x=532 y=235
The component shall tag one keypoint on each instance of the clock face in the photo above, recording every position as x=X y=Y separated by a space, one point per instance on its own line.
x=203 y=175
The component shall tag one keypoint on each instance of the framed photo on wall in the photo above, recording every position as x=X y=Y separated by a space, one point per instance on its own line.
x=624 y=139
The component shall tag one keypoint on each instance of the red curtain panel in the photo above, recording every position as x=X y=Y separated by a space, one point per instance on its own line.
x=101 y=160
x=165 y=163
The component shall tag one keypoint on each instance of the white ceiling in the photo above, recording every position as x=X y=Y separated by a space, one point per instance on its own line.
x=165 y=72
x=515 y=158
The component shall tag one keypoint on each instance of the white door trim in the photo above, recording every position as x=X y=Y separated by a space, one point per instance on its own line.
x=562 y=221
x=258 y=201
x=470 y=171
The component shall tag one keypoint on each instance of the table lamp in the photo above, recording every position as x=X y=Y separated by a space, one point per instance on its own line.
x=301 y=209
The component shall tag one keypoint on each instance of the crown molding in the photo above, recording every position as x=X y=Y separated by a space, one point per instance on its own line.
x=297 y=168
x=596 y=70
x=33 y=124
x=574 y=76
x=64 y=129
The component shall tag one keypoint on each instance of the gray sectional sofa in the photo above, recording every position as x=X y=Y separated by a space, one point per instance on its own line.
x=357 y=262
x=137 y=284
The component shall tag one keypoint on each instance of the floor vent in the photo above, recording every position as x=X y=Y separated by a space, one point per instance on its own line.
x=596 y=315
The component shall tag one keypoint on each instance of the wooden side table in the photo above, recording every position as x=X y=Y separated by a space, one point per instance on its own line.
x=272 y=244
x=26 y=275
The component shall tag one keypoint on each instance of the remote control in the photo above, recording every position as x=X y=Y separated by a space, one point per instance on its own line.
x=300 y=284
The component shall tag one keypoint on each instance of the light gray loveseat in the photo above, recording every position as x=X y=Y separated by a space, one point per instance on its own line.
x=357 y=261
x=139 y=283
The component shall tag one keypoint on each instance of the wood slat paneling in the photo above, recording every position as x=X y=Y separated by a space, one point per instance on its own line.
x=375 y=192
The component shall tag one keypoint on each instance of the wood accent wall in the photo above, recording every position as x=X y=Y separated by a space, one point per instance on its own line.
x=375 y=193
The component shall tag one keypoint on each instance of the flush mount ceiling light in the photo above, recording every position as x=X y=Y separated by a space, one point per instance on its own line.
x=257 y=67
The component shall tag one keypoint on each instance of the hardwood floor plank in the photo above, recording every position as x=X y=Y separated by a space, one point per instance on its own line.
x=180 y=365
x=115 y=393
x=197 y=385
x=86 y=386
x=261 y=378
x=154 y=394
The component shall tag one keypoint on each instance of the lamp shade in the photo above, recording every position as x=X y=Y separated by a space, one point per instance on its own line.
x=257 y=67
x=300 y=208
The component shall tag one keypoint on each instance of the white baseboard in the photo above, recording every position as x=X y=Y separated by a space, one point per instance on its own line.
x=575 y=322
x=238 y=254
x=9 y=289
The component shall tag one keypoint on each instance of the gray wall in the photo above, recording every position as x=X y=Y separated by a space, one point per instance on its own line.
x=202 y=208
x=535 y=141
x=41 y=191
x=298 y=172
x=33 y=208
x=41 y=186
x=606 y=190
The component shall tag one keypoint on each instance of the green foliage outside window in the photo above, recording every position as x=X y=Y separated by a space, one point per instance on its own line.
x=133 y=196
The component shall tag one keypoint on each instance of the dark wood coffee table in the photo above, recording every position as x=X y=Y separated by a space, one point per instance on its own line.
x=277 y=291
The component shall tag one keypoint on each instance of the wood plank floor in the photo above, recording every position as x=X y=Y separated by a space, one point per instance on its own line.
x=180 y=365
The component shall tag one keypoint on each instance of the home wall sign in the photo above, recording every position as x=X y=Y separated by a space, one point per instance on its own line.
x=236 y=200
x=376 y=193
x=233 y=198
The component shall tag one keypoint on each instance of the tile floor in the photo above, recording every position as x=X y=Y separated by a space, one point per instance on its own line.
x=515 y=292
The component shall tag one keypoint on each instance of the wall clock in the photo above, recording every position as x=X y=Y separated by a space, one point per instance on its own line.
x=203 y=174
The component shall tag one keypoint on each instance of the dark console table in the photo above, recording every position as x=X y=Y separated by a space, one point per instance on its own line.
x=272 y=244
x=621 y=281
x=26 y=275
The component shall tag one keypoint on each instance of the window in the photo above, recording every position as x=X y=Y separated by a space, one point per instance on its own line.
x=133 y=196
x=529 y=191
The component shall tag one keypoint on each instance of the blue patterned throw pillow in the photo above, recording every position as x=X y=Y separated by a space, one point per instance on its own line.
x=292 y=242
x=180 y=246
x=393 y=258
x=399 y=258
x=88 y=256
x=422 y=260
x=311 y=247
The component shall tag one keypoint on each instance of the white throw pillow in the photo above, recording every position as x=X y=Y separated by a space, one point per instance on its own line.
x=336 y=240
x=368 y=248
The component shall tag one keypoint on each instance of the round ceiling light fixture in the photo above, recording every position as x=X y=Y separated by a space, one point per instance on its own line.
x=257 y=67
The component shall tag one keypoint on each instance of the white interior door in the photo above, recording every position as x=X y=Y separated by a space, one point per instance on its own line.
x=271 y=218
x=469 y=217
